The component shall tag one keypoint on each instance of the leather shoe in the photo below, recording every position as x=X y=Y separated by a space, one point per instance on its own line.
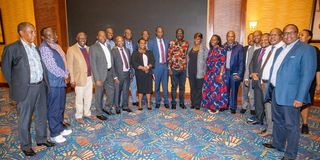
x=167 y=106
x=135 y=104
x=268 y=145
x=102 y=117
x=29 y=152
x=233 y=111
x=107 y=112
x=192 y=107
x=183 y=106
x=118 y=111
x=47 y=144
x=242 y=111
x=305 y=129
x=253 y=112
x=285 y=158
x=157 y=105
x=173 y=106
x=127 y=109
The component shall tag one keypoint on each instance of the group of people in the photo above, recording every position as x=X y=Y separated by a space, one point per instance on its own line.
x=276 y=69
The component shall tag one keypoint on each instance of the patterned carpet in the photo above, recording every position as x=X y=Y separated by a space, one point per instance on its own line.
x=157 y=134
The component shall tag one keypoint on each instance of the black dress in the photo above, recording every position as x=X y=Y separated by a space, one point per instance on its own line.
x=144 y=80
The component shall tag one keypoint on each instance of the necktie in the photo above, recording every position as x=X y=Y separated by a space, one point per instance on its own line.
x=162 y=52
x=124 y=59
x=268 y=56
x=261 y=54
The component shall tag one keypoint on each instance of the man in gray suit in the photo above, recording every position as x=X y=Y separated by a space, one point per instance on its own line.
x=121 y=56
x=103 y=74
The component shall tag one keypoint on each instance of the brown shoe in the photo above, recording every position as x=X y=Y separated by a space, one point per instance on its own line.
x=265 y=134
x=80 y=120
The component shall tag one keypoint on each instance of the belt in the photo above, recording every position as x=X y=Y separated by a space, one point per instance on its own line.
x=109 y=69
x=272 y=86
x=36 y=83
x=265 y=81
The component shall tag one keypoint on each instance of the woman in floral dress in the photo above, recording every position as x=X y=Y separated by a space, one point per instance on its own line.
x=214 y=95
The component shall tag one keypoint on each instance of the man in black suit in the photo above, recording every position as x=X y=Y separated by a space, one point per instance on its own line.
x=121 y=57
x=27 y=78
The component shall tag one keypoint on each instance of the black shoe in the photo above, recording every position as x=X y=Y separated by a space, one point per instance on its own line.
x=285 y=158
x=197 y=108
x=102 y=117
x=167 y=106
x=233 y=111
x=183 y=106
x=192 y=107
x=222 y=109
x=173 y=106
x=157 y=105
x=253 y=112
x=127 y=110
x=135 y=104
x=140 y=109
x=149 y=108
x=305 y=129
x=118 y=111
x=47 y=144
x=65 y=124
x=268 y=145
x=242 y=111
x=107 y=112
x=29 y=152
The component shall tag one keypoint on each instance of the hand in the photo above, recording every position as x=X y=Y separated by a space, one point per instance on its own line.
x=146 y=69
x=220 y=78
x=99 y=83
x=170 y=72
x=236 y=77
x=67 y=79
x=116 y=81
x=246 y=83
x=255 y=76
x=73 y=84
x=297 y=104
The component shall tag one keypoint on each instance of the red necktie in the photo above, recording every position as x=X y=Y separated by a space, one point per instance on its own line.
x=124 y=59
x=261 y=54
x=162 y=52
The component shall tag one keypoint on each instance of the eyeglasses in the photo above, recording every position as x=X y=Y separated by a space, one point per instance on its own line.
x=289 y=33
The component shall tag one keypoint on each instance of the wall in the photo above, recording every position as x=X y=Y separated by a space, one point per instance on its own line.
x=277 y=13
x=14 y=12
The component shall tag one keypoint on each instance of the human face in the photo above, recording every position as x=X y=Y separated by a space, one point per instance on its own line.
x=145 y=35
x=128 y=34
x=159 y=32
x=264 y=41
x=101 y=37
x=179 y=35
x=275 y=37
x=28 y=34
x=119 y=41
x=142 y=44
x=290 y=34
x=82 y=39
x=304 y=36
x=231 y=37
x=109 y=32
x=50 y=36
x=250 y=39
x=197 y=41
x=257 y=37
x=214 y=41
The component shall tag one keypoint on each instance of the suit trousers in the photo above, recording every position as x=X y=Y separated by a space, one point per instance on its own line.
x=56 y=106
x=267 y=110
x=232 y=86
x=161 y=77
x=258 y=100
x=247 y=94
x=286 y=131
x=178 y=79
x=35 y=102
x=122 y=91
x=83 y=99
x=133 y=89
x=196 y=90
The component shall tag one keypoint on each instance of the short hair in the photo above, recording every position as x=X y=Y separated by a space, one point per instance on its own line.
x=157 y=28
x=278 y=29
x=293 y=25
x=42 y=31
x=219 y=40
x=180 y=29
x=78 y=34
x=198 y=34
x=140 y=39
x=310 y=33
x=21 y=26
x=265 y=34
x=144 y=31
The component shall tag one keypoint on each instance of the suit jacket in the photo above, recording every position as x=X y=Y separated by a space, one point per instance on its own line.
x=295 y=75
x=16 y=70
x=153 y=47
x=201 y=62
x=98 y=61
x=118 y=64
x=247 y=59
x=77 y=65
x=236 y=62
x=255 y=66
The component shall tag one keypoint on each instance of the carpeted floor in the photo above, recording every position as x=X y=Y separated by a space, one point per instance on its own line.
x=157 y=134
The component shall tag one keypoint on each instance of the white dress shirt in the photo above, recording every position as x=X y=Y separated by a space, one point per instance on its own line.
x=159 y=48
x=280 y=58
x=266 y=70
x=124 y=69
x=107 y=54
x=228 y=59
x=145 y=60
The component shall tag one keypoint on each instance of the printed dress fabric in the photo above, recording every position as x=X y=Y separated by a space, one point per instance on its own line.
x=214 y=95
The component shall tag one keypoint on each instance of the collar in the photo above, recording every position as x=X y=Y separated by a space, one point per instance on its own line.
x=25 y=44
x=279 y=45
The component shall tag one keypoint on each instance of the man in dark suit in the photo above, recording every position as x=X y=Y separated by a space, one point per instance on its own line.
x=159 y=47
x=234 y=68
x=122 y=68
x=27 y=78
x=255 y=71
x=291 y=75
x=103 y=74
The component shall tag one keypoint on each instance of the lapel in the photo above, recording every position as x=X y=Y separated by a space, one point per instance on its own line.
x=290 y=53
x=24 y=55
x=100 y=50
x=79 y=53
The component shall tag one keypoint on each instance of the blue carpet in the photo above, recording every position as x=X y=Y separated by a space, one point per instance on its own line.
x=157 y=134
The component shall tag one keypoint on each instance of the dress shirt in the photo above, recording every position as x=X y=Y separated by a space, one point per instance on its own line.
x=159 y=48
x=228 y=59
x=124 y=69
x=145 y=60
x=266 y=70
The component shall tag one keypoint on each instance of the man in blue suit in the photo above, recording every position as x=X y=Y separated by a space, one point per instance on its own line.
x=159 y=47
x=291 y=75
x=234 y=68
